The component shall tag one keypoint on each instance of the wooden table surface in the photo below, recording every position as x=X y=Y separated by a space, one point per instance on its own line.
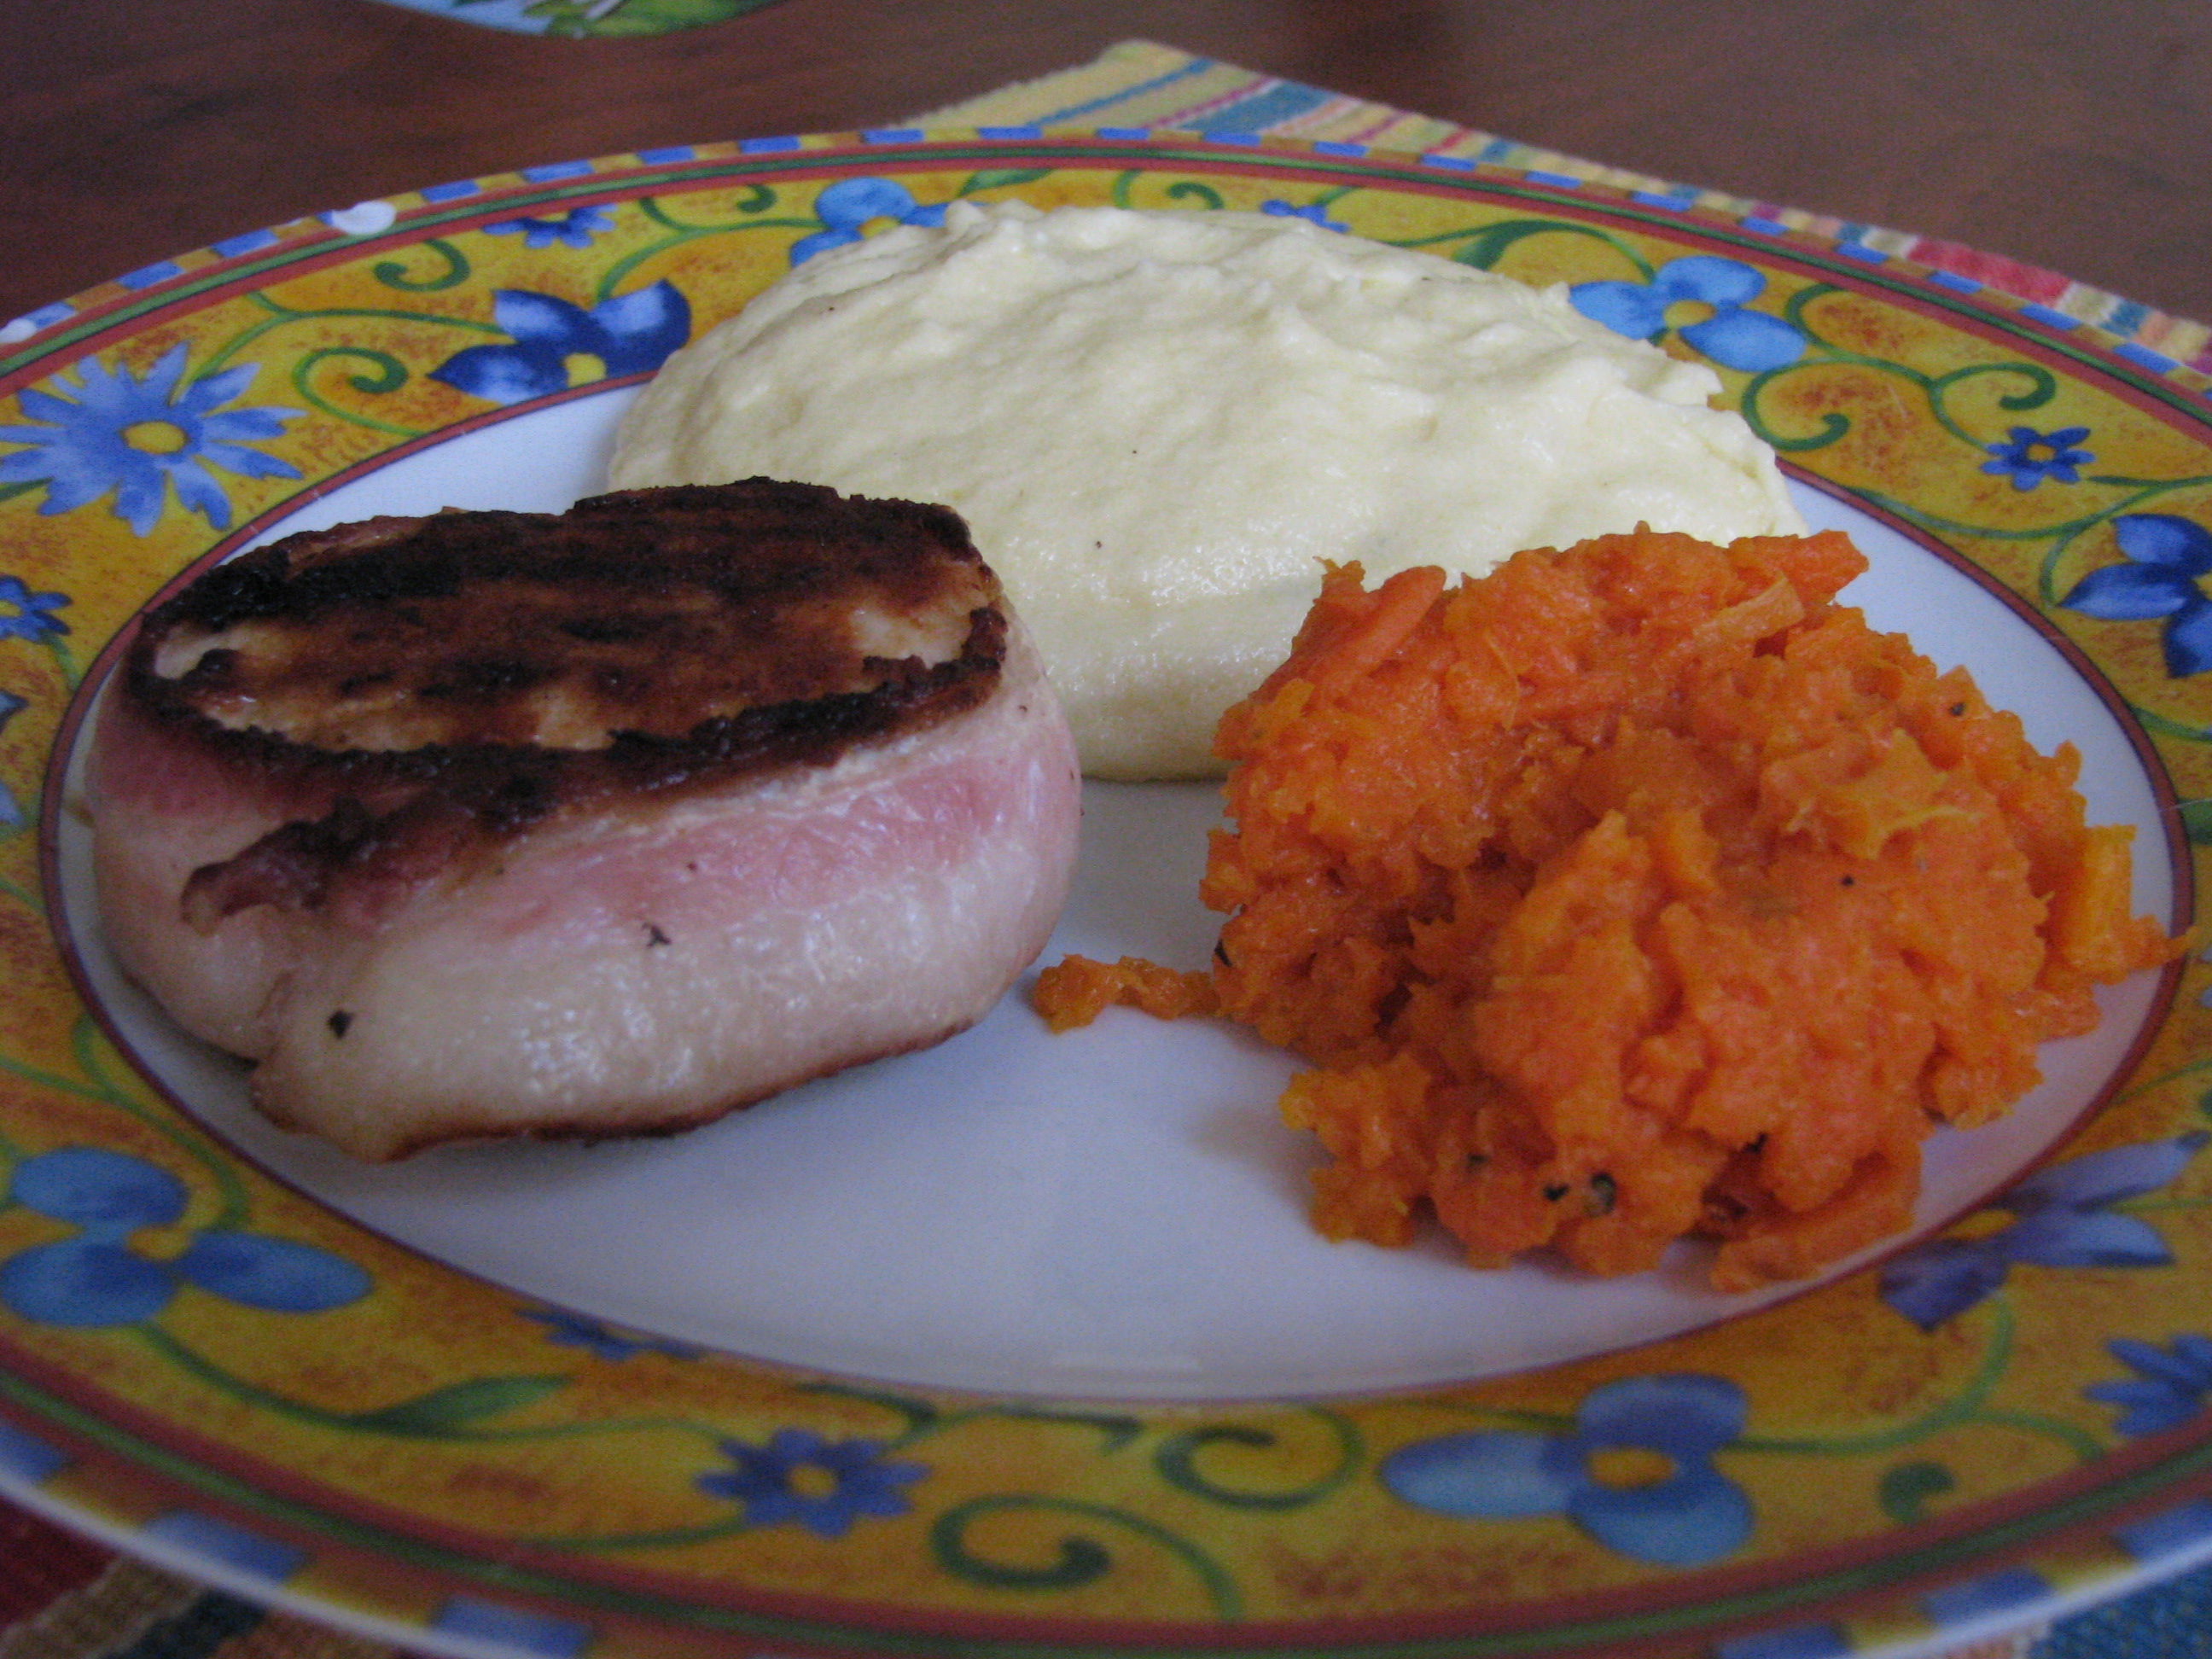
x=2074 y=135
x=2071 y=134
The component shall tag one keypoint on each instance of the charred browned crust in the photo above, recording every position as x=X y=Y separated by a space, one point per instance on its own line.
x=446 y=681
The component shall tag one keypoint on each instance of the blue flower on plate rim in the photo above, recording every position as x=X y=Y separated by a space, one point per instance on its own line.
x=1691 y=1515
x=140 y=437
x=629 y=334
x=2164 y=558
x=854 y=1478
x=2031 y=456
x=602 y=1341
x=2168 y=1389
x=850 y=204
x=1733 y=335
x=12 y=816
x=2064 y=1218
x=25 y=614
x=1312 y=211
x=575 y=228
x=96 y=1277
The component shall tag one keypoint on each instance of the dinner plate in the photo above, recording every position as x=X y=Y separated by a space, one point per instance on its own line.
x=1023 y=1345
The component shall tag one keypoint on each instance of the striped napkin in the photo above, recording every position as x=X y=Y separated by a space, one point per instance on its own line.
x=587 y=20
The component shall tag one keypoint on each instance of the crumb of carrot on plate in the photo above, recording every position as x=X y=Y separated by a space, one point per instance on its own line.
x=1638 y=892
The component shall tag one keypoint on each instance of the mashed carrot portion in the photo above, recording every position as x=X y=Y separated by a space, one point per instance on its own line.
x=1638 y=892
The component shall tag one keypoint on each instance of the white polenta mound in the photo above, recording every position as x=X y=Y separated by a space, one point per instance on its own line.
x=1158 y=424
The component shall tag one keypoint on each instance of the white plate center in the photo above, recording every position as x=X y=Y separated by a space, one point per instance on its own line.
x=1114 y=1213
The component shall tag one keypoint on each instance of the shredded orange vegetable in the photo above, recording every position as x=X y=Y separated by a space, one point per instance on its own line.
x=1638 y=892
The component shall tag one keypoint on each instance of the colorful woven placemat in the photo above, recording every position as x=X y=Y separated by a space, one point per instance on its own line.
x=62 y=1597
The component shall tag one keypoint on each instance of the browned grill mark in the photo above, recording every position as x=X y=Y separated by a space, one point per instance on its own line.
x=448 y=680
